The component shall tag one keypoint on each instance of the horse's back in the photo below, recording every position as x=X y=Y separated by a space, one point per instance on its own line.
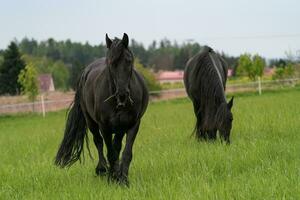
x=202 y=71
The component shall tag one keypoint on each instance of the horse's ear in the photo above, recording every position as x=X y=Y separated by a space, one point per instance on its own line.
x=108 y=41
x=125 y=40
x=230 y=103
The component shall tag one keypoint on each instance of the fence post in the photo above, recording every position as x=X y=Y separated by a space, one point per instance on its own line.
x=259 y=85
x=43 y=105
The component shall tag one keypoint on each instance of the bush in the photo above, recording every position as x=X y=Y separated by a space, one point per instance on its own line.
x=282 y=72
x=148 y=76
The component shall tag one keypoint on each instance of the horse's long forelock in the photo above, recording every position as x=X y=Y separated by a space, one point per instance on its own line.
x=117 y=50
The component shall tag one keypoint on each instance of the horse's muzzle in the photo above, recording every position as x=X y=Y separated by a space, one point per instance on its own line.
x=122 y=99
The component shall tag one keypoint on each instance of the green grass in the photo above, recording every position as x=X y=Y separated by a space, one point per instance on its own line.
x=263 y=161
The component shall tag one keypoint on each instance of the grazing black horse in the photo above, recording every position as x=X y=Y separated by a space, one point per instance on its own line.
x=111 y=98
x=205 y=79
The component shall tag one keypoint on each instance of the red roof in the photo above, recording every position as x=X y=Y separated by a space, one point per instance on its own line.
x=170 y=75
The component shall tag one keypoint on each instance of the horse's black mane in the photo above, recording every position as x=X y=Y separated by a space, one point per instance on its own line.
x=211 y=87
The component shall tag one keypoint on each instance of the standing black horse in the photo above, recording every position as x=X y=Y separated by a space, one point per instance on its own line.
x=111 y=98
x=205 y=79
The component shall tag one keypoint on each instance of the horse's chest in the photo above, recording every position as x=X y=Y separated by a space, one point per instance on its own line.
x=122 y=120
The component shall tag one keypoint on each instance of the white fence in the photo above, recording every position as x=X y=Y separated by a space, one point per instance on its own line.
x=53 y=105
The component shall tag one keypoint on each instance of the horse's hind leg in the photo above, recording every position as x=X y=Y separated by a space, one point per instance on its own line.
x=98 y=140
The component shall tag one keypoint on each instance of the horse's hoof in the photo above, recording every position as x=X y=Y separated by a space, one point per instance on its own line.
x=101 y=171
x=112 y=177
x=123 y=181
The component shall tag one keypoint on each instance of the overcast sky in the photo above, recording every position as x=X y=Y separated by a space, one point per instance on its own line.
x=267 y=27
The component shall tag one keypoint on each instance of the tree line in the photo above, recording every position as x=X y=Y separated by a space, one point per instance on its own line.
x=66 y=59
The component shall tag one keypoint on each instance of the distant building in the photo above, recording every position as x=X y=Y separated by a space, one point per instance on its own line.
x=269 y=71
x=177 y=76
x=230 y=73
x=46 y=83
x=170 y=76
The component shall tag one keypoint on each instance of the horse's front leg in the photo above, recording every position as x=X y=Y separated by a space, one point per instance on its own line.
x=112 y=155
x=127 y=154
x=117 y=146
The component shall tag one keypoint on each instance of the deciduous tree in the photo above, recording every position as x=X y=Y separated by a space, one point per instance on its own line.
x=29 y=82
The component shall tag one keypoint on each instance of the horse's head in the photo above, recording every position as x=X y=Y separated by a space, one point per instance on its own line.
x=224 y=119
x=119 y=60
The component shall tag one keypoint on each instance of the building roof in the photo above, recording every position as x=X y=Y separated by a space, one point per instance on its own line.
x=269 y=71
x=170 y=75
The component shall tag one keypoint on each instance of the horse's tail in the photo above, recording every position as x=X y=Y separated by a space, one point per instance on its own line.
x=197 y=129
x=75 y=132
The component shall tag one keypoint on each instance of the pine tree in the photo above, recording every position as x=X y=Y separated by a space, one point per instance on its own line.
x=10 y=69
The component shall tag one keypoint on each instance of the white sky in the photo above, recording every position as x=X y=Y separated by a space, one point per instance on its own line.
x=269 y=27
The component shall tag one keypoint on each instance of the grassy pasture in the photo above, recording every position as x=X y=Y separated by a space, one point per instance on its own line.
x=263 y=161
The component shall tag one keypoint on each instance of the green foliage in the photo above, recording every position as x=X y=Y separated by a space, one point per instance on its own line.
x=28 y=80
x=252 y=66
x=162 y=54
x=184 y=53
x=245 y=63
x=286 y=71
x=73 y=54
x=58 y=69
x=42 y=64
x=1 y=60
x=261 y=163
x=258 y=65
x=167 y=85
x=278 y=62
x=9 y=70
x=148 y=76
x=60 y=75
x=75 y=72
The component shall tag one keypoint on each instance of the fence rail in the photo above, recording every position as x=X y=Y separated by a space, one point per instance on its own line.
x=54 y=105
